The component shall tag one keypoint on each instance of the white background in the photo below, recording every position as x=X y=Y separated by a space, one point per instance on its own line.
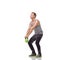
x=14 y=20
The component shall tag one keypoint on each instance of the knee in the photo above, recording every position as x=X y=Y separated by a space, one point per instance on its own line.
x=36 y=43
x=29 y=43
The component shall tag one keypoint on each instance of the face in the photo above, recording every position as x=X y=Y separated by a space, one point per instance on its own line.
x=32 y=16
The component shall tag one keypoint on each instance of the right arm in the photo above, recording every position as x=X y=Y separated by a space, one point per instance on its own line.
x=26 y=36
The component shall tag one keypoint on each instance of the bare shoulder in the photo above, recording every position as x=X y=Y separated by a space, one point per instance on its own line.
x=30 y=22
x=37 y=20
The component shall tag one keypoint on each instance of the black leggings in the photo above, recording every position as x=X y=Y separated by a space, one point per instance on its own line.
x=37 y=38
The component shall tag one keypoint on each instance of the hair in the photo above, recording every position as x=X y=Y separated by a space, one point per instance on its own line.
x=34 y=14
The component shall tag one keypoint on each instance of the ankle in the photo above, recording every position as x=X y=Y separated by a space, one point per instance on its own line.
x=33 y=53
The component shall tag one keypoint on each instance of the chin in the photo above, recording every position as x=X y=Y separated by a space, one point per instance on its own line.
x=31 y=18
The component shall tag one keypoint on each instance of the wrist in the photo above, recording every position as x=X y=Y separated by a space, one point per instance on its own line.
x=26 y=37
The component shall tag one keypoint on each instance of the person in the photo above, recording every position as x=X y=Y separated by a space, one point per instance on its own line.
x=36 y=26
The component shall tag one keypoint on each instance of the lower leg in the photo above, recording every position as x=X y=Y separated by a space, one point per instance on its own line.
x=31 y=47
x=37 y=44
x=39 y=49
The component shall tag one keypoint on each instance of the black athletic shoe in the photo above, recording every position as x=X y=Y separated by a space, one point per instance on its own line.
x=32 y=55
x=39 y=55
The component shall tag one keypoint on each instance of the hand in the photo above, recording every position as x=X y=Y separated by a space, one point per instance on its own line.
x=26 y=36
x=26 y=40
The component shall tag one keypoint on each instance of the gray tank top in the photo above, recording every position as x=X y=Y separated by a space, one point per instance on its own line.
x=37 y=29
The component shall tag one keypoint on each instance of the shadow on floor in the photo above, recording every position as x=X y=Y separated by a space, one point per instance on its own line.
x=34 y=58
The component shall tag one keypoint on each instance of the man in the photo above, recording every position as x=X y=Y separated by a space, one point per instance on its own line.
x=34 y=25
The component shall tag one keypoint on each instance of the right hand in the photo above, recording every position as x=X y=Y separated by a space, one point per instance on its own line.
x=26 y=40
x=26 y=37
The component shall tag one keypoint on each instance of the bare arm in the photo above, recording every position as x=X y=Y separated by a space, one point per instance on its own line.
x=26 y=36
x=31 y=29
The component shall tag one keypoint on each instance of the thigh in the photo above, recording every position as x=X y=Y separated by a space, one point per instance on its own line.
x=38 y=38
x=32 y=39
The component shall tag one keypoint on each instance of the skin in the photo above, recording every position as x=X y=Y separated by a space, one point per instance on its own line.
x=31 y=28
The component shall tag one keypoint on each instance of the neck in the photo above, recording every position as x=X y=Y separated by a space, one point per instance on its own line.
x=33 y=19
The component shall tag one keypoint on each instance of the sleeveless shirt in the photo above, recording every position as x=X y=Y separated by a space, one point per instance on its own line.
x=37 y=29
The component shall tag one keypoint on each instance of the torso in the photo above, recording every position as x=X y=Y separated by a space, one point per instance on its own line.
x=37 y=29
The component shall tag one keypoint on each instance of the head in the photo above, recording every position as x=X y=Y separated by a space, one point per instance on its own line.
x=33 y=15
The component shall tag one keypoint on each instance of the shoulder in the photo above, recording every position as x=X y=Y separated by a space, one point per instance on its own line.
x=30 y=22
x=37 y=20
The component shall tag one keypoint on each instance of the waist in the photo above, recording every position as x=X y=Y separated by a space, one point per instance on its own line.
x=39 y=34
